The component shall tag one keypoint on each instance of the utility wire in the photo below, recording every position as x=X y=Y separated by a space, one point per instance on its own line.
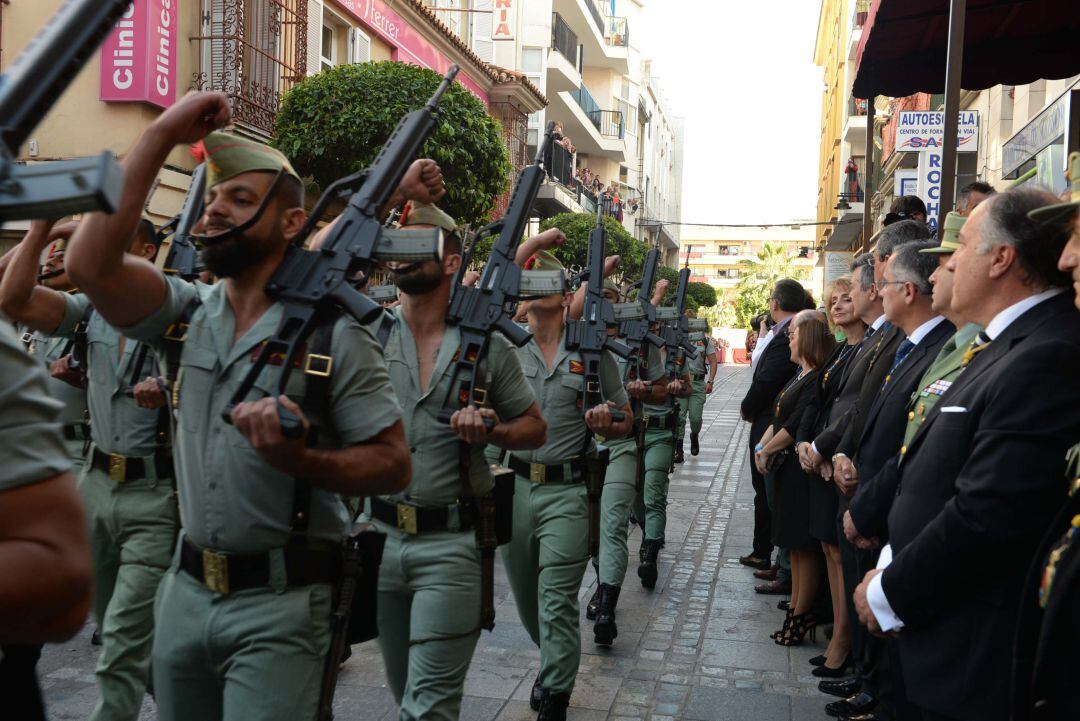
x=794 y=224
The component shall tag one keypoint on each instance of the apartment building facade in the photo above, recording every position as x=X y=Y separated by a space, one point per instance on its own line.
x=585 y=57
x=254 y=51
x=720 y=256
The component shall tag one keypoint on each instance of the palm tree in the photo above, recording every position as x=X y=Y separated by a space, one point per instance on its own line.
x=758 y=278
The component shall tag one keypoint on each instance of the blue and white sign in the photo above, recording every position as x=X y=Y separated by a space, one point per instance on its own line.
x=922 y=131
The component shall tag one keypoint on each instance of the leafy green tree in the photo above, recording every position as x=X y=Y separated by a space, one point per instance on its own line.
x=334 y=123
x=702 y=293
x=575 y=252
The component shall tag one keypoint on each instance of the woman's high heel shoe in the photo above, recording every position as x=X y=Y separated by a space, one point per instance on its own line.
x=787 y=623
x=798 y=628
x=824 y=671
x=818 y=660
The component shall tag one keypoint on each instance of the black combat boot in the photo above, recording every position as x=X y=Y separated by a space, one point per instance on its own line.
x=554 y=706
x=678 y=452
x=695 y=447
x=594 y=604
x=605 y=630
x=647 y=571
x=536 y=696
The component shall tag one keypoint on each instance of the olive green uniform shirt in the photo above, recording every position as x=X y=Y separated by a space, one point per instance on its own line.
x=938 y=377
x=31 y=447
x=231 y=499
x=665 y=406
x=651 y=370
x=433 y=446
x=49 y=349
x=117 y=424
x=559 y=392
x=705 y=348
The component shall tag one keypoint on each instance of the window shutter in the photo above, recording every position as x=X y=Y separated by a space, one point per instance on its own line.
x=314 y=36
x=361 y=46
x=481 y=31
x=262 y=73
x=220 y=23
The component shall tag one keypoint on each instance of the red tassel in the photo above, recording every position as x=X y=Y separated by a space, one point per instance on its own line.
x=198 y=151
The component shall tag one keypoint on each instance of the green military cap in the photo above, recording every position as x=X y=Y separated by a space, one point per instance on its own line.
x=950 y=232
x=609 y=284
x=426 y=214
x=1063 y=211
x=227 y=156
x=544 y=260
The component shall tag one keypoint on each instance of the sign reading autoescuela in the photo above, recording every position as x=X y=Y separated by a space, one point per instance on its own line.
x=922 y=131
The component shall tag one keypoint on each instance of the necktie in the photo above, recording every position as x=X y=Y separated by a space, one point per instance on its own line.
x=902 y=351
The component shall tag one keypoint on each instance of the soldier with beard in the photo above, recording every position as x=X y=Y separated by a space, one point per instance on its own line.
x=243 y=612
x=127 y=482
x=429 y=582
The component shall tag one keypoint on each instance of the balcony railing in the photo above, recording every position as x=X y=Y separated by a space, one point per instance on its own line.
x=618 y=32
x=564 y=39
x=608 y=122
x=561 y=165
x=852 y=188
x=254 y=51
x=597 y=14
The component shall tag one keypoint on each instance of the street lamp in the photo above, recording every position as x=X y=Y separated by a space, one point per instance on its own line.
x=842 y=204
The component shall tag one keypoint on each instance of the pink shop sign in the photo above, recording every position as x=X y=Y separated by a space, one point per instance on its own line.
x=408 y=45
x=138 y=60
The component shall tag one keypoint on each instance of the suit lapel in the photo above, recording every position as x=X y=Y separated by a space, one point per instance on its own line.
x=1019 y=329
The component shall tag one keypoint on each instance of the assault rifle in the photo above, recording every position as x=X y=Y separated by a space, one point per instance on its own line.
x=675 y=329
x=183 y=258
x=480 y=310
x=589 y=336
x=638 y=317
x=313 y=285
x=29 y=88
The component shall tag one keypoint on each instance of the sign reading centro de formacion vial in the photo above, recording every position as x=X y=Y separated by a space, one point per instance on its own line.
x=922 y=131
x=138 y=59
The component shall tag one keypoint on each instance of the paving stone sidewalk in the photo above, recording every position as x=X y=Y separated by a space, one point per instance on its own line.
x=695 y=648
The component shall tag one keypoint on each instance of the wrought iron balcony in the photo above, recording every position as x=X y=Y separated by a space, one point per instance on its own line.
x=253 y=51
x=609 y=123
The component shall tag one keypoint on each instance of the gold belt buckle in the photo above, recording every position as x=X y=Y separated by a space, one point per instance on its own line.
x=406 y=519
x=318 y=365
x=117 y=467
x=537 y=473
x=215 y=571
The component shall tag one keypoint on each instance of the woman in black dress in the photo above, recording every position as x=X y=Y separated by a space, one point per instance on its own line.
x=823 y=495
x=811 y=345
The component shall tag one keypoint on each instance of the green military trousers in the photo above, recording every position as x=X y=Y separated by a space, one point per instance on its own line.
x=651 y=503
x=251 y=655
x=429 y=620
x=620 y=491
x=692 y=406
x=133 y=528
x=545 y=562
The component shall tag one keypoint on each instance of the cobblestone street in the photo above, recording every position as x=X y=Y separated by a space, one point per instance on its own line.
x=696 y=648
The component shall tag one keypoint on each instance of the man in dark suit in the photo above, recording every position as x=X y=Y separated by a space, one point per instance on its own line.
x=906 y=293
x=981 y=478
x=774 y=369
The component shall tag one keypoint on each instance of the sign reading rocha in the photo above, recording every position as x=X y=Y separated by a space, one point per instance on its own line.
x=922 y=131
x=138 y=60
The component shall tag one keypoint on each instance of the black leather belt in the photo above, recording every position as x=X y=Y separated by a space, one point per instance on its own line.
x=416 y=519
x=542 y=473
x=657 y=422
x=126 y=468
x=229 y=573
x=76 y=432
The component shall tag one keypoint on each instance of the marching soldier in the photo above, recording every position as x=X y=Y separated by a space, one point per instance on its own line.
x=243 y=612
x=546 y=559
x=127 y=482
x=702 y=365
x=65 y=386
x=430 y=579
x=621 y=482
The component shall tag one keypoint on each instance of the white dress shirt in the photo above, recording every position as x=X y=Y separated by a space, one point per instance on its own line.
x=762 y=343
x=875 y=594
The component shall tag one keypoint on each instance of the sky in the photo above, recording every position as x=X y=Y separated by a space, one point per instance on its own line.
x=742 y=73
